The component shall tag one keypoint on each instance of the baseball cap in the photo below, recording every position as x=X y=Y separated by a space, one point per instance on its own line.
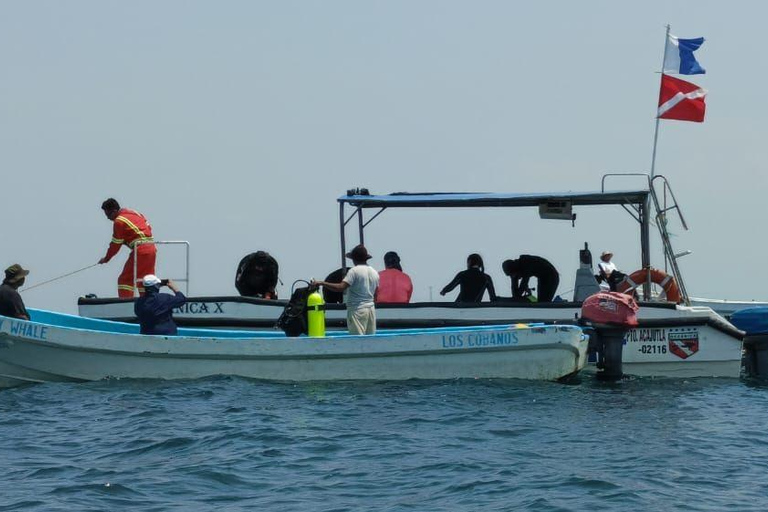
x=151 y=280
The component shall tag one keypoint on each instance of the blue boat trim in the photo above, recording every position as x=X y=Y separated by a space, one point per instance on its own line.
x=65 y=321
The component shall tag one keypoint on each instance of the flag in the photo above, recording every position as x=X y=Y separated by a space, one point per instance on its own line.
x=681 y=100
x=678 y=56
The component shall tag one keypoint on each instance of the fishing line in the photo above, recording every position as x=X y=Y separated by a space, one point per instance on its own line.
x=60 y=277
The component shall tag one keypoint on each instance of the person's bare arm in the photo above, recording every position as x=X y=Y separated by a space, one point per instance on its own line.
x=334 y=287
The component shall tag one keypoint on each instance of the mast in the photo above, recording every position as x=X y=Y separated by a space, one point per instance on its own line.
x=645 y=239
x=656 y=132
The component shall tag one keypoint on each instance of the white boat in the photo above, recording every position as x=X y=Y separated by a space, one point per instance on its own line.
x=677 y=340
x=727 y=307
x=54 y=347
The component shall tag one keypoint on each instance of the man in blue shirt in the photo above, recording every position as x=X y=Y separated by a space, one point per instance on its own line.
x=155 y=309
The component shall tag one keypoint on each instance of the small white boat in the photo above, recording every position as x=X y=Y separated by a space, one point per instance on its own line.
x=55 y=347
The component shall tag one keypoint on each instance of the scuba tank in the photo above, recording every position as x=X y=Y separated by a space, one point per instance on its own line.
x=316 y=314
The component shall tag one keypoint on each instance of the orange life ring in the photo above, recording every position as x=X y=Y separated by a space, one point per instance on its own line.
x=661 y=278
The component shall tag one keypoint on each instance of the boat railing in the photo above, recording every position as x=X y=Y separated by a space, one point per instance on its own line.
x=661 y=222
x=184 y=280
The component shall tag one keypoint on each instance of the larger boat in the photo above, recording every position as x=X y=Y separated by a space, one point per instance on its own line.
x=672 y=339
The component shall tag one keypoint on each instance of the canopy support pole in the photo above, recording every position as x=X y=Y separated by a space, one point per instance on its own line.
x=360 y=225
x=343 y=237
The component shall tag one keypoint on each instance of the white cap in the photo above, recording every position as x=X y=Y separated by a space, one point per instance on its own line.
x=151 y=280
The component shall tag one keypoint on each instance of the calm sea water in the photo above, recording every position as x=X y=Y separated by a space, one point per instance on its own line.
x=234 y=444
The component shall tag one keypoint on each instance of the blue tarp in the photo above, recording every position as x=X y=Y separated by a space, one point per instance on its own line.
x=751 y=320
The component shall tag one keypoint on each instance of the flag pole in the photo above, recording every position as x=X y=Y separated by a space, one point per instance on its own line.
x=656 y=132
x=645 y=230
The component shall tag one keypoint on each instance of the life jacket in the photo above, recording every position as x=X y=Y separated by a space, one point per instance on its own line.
x=130 y=227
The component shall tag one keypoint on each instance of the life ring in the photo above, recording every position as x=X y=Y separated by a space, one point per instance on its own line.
x=661 y=278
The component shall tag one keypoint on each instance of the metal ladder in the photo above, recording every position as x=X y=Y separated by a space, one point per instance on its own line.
x=670 y=258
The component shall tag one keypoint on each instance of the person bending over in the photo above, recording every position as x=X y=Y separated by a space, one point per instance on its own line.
x=524 y=268
x=132 y=229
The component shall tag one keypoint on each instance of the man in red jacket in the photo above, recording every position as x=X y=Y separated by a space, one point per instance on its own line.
x=132 y=229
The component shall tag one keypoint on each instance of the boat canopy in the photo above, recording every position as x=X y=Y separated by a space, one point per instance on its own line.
x=552 y=205
x=487 y=199
x=557 y=205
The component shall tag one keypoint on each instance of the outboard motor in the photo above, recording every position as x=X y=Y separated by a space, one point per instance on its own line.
x=586 y=284
x=609 y=315
x=754 y=321
x=257 y=275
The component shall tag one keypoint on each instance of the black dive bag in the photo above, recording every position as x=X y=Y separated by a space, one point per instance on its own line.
x=293 y=320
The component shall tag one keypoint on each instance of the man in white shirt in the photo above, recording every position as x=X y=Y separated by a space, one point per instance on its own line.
x=608 y=271
x=605 y=265
x=359 y=287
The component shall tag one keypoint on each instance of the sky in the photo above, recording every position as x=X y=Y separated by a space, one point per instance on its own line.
x=236 y=125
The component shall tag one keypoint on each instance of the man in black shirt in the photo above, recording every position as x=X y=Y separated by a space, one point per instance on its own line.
x=11 y=304
x=524 y=268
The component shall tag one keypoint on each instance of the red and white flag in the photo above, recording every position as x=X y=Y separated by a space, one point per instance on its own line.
x=681 y=100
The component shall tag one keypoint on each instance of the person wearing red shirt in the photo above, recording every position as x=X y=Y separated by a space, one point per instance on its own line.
x=395 y=286
x=132 y=229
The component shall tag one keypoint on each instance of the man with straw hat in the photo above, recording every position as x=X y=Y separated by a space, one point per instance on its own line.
x=359 y=287
x=11 y=304
x=608 y=271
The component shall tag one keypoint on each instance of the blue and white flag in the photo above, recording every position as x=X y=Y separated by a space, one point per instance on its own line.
x=679 y=57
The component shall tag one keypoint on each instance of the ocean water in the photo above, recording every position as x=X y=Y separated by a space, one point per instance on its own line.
x=464 y=445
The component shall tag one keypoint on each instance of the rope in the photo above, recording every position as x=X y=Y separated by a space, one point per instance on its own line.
x=60 y=277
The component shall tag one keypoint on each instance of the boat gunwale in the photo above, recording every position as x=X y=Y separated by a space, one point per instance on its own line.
x=94 y=301
x=241 y=335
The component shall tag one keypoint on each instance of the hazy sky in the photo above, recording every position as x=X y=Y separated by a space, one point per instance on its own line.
x=236 y=125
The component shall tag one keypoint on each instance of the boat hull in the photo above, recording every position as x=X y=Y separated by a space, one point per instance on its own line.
x=69 y=354
x=671 y=340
